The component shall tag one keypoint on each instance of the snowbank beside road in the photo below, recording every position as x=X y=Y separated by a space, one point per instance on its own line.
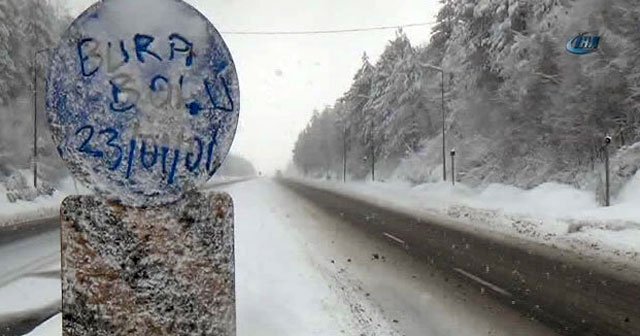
x=553 y=214
x=51 y=327
x=217 y=180
x=28 y=294
x=23 y=211
x=42 y=207
x=49 y=206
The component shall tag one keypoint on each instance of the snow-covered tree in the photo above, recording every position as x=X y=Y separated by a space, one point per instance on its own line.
x=25 y=27
x=10 y=35
x=519 y=108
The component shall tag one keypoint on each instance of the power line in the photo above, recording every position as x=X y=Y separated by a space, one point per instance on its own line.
x=330 y=31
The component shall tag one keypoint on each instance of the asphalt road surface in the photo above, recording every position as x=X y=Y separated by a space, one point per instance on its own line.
x=302 y=271
x=568 y=293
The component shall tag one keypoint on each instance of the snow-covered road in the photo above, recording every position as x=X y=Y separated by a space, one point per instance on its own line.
x=29 y=276
x=28 y=255
x=302 y=272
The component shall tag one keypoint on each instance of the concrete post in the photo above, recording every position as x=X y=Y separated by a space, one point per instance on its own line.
x=453 y=166
x=166 y=270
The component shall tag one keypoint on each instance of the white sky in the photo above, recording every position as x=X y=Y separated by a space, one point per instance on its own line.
x=284 y=78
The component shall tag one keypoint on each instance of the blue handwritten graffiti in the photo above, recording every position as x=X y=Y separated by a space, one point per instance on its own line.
x=112 y=143
x=111 y=150
x=142 y=115
x=187 y=48
x=92 y=57
x=124 y=92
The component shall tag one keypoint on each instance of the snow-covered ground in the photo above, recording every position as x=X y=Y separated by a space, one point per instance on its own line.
x=302 y=272
x=27 y=256
x=49 y=206
x=29 y=276
x=23 y=211
x=51 y=327
x=41 y=207
x=553 y=214
x=28 y=294
x=216 y=180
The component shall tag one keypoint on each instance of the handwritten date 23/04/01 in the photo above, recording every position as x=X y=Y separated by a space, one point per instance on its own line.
x=106 y=144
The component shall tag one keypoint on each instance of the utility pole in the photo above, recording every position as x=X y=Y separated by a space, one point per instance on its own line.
x=35 y=99
x=444 y=144
x=607 y=195
x=35 y=116
x=444 y=160
x=373 y=154
x=35 y=121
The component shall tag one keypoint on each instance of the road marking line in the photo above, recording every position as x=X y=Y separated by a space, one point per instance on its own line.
x=396 y=239
x=483 y=282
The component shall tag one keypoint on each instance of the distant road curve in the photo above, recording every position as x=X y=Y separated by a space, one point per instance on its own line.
x=556 y=287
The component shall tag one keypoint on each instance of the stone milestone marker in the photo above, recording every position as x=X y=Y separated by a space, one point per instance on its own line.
x=143 y=103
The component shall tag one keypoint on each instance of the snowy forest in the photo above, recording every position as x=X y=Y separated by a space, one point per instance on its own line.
x=27 y=30
x=520 y=109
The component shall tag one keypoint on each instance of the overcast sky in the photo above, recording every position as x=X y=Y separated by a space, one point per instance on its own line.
x=284 y=78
